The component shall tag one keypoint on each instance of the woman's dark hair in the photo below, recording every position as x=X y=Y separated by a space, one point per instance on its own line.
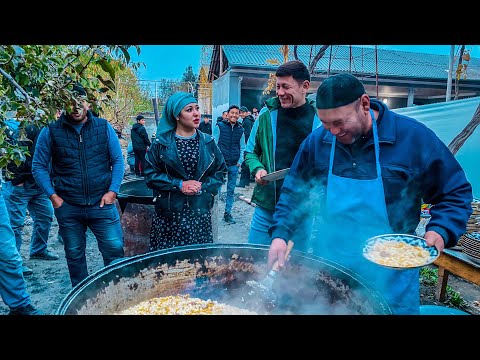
x=295 y=69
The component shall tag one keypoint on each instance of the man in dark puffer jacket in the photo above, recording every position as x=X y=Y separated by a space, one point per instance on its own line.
x=87 y=170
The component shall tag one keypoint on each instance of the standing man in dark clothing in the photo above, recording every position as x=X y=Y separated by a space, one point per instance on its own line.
x=140 y=142
x=231 y=141
x=21 y=192
x=206 y=126
x=223 y=118
x=86 y=172
x=247 y=123
x=219 y=120
x=255 y=113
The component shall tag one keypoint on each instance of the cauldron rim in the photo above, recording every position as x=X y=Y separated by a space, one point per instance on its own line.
x=374 y=294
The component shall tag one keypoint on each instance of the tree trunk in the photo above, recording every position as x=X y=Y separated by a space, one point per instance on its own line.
x=315 y=60
x=460 y=139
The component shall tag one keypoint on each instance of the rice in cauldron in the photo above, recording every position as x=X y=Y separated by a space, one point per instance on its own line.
x=183 y=305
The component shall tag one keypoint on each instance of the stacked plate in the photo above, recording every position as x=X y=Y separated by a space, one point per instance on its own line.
x=471 y=246
x=473 y=223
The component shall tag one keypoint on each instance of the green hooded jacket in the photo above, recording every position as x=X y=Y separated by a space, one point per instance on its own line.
x=260 y=150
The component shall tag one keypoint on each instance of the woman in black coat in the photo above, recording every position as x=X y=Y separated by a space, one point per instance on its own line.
x=185 y=168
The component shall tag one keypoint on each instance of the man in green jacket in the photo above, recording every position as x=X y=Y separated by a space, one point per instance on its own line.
x=284 y=122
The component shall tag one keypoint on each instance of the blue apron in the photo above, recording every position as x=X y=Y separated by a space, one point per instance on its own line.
x=355 y=211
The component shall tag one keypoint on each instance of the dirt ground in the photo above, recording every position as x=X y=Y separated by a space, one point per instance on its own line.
x=50 y=283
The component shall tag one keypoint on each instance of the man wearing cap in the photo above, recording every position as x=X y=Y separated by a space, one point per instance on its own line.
x=366 y=172
x=140 y=143
x=78 y=163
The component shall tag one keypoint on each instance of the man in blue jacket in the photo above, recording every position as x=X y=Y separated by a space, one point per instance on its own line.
x=366 y=172
x=13 y=289
x=87 y=170
x=21 y=193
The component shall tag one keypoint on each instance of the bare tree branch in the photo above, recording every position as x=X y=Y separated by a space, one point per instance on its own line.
x=462 y=137
x=19 y=88
x=295 y=54
x=317 y=58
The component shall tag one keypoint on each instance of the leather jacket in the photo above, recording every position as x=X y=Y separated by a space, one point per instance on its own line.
x=164 y=171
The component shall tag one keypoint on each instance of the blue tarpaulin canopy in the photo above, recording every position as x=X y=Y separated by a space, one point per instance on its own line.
x=447 y=120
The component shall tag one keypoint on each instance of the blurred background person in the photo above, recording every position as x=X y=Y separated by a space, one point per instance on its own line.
x=206 y=126
x=131 y=157
x=247 y=124
x=21 y=193
x=255 y=113
x=140 y=142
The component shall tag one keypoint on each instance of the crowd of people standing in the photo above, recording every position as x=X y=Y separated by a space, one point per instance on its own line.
x=344 y=152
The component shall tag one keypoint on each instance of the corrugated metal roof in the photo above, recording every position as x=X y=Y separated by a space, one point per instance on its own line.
x=390 y=62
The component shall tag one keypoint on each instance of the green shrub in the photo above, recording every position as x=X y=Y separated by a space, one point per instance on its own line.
x=429 y=276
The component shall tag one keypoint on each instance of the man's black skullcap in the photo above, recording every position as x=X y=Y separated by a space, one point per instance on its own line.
x=338 y=90
x=140 y=117
x=79 y=90
x=243 y=108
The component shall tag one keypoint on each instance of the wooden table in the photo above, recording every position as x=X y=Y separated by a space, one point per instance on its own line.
x=457 y=263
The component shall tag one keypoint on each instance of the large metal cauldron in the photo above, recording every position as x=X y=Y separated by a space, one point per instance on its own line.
x=137 y=207
x=308 y=285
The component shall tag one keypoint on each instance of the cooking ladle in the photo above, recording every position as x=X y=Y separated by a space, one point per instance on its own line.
x=265 y=286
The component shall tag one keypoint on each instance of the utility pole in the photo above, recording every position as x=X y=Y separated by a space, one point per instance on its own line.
x=155 y=110
x=221 y=60
x=450 y=73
